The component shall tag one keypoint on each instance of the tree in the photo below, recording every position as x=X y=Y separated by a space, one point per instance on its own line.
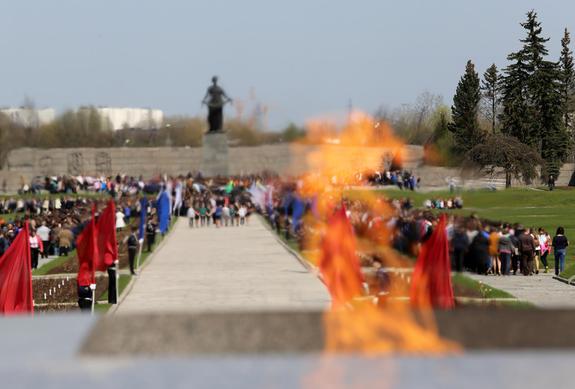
x=532 y=110
x=516 y=113
x=508 y=153
x=490 y=86
x=547 y=99
x=439 y=147
x=412 y=122
x=465 y=126
x=567 y=81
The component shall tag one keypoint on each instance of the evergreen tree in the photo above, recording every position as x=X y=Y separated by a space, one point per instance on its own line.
x=547 y=99
x=532 y=110
x=465 y=126
x=490 y=88
x=567 y=82
x=515 y=115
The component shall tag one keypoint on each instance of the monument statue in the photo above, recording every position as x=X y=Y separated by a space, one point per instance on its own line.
x=215 y=99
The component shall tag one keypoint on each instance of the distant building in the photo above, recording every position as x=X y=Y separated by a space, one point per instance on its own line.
x=119 y=118
x=140 y=118
x=30 y=117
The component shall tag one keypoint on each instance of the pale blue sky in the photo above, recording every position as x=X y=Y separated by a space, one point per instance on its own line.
x=303 y=58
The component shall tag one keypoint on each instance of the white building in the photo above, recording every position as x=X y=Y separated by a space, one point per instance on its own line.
x=30 y=117
x=141 y=118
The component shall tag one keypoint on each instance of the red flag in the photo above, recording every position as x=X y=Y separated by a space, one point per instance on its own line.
x=339 y=265
x=16 y=276
x=431 y=284
x=107 y=243
x=87 y=250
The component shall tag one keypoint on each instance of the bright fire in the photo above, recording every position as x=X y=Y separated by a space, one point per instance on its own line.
x=358 y=323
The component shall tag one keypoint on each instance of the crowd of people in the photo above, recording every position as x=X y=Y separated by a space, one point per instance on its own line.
x=439 y=203
x=502 y=249
x=57 y=208
x=475 y=245
x=55 y=223
x=218 y=213
x=403 y=179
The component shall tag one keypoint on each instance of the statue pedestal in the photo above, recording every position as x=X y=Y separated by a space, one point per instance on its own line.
x=215 y=160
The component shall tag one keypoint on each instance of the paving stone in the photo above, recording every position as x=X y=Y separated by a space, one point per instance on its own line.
x=224 y=269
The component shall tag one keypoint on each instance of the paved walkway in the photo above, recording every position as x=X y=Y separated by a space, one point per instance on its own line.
x=232 y=268
x=541 y=290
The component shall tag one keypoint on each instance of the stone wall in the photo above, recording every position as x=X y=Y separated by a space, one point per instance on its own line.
x=26 y=163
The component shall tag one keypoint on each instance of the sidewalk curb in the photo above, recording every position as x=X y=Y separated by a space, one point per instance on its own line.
x=570 y=281
x=308 y=266
x=130 y=286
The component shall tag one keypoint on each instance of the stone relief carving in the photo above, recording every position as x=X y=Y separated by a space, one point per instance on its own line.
x=103 y=163
x=45 y=164
x=75 y=163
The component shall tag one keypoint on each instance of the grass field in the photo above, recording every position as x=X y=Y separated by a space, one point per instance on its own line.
x=530 y=207
x=486 y=291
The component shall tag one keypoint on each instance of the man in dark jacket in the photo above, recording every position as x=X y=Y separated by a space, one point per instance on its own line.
x=133 y=245
x=527 y=250
x=460 y=242
x=3 y=243
x=516 y=255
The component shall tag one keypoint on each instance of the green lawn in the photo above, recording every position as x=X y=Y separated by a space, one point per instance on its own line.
x=486 y=291
x=46 y=268
x=531 y=208
x=122 y=283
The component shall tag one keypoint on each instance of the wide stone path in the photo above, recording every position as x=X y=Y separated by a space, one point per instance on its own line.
x=229 y=268
x=541 y=289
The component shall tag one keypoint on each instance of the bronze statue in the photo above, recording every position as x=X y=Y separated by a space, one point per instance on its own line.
x=215 y=99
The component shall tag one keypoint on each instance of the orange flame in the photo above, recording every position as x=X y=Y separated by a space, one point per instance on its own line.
x=357 y=323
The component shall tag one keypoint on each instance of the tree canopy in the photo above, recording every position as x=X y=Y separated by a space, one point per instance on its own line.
x=503 y=151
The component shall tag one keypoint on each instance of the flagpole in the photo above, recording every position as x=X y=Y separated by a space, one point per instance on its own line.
x=140 y=254
x=93 y=288
x=117 y=275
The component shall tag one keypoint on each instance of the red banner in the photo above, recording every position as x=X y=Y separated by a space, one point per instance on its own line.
x=16 y=276
x=87 y=250
x=107 y=242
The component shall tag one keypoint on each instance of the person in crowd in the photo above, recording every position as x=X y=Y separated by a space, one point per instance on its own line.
x=480 y=252
x=43 y=233
x=217 y=215
x=191 y=214
x=204 y=216
x=3 y=243
x=226 y=215
x=35 y=248
x=150 y=234
x=505 y=248
x=459 y=243
x=65 y=239
x=234 y=218
x=544 y=244
x=120 y=220
x=527 y=248
x=494 y=251
x=537 y=251
x=242 y=213
x=132 y=244
x=514 y=235
x=560 y=244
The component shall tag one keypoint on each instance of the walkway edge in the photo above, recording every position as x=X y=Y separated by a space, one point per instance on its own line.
x=564 y=280
x=130 y=286
x=308 y=266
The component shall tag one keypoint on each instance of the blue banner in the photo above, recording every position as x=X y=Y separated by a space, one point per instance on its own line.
x=143 y=214
x=298 y=210
x=164 y=211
